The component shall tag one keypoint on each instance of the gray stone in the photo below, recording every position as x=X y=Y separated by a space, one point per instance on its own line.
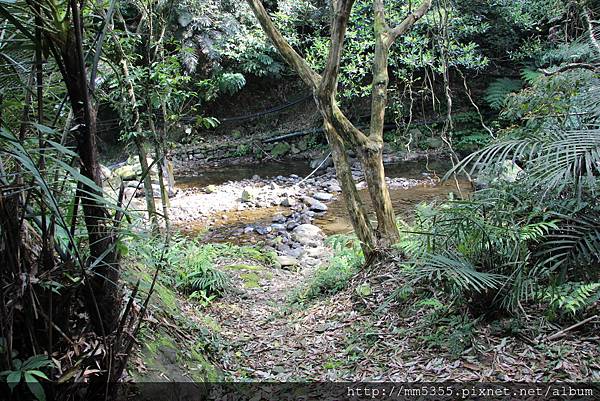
x=308 y=234
x=278 y=218
x=322 y=196
x=288 y=202
x=291 y=225
x=278 y=227
x=133 y=184
x=287 y=261
x=263 y=230
x=315 y=205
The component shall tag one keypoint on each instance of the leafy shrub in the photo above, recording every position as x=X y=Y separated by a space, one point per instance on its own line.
x=200 y=274
x=333 y=277
x=192 y=267
x=570 y=297
x=535 y=234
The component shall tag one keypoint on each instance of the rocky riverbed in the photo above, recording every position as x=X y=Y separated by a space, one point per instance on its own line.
x=279 y=212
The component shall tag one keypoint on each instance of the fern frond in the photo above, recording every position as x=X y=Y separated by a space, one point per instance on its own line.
x=498 y=90
x=456 y=270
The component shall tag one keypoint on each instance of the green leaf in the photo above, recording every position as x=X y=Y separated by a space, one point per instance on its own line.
x=13 y=379
x=44 y=129
x=35 y=387
x=36 y=361
x=38 y=373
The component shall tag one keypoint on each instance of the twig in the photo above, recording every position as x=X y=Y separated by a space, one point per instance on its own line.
x=316 y=169
x=563 y=331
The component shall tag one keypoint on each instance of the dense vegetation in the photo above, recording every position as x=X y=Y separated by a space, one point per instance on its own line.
x=508 y=91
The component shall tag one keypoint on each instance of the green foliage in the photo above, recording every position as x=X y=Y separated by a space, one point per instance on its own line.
x=499 y=90
x=570 y=297
x=532 y=233
x=193 y=268
x=333 y=277
x=199 y=272
x=28 y=372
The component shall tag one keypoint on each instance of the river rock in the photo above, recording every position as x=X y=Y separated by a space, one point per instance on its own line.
x=315 y=205
x=278 y=218
x=126 y=172
x=247 y=195
x=510 y=171
x=287 y=261
x=291 y=225
x=322 y=196
x=263 y=230
x=308 y=234
x=278 y=227
x=320 y=161
x=134 y=184
x=209 y=189
x=105 y=171
x=288 y=202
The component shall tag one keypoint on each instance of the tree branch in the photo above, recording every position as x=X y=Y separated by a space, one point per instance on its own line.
x=408 y=22
x=308 y=75
x=342 y=10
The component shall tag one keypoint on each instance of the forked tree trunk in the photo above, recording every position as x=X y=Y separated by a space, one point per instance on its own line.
x=342 y=135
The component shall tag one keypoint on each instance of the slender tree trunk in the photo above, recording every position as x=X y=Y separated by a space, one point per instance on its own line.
x=356 y=210
x=104 y=256
x=148 y=192
x=164 y=193
x=138 y=141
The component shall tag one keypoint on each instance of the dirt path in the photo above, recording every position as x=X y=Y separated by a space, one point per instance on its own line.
x=262 y=332
x=343 y=338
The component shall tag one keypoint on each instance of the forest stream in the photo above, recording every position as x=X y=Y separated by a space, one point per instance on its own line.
x=267 y=337
x=229 y=225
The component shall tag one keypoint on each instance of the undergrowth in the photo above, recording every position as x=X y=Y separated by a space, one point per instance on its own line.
x=192 y=268
x=334 y=276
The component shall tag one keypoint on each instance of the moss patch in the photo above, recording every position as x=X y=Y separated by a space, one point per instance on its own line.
x=243 y=267
x=251 y=280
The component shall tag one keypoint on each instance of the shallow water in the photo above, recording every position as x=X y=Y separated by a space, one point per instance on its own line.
x=228 y=226
x=337 y=221
x=219 y=175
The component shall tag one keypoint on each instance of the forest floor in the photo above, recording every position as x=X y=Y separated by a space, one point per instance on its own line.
x=265 y=332
x=350 y=337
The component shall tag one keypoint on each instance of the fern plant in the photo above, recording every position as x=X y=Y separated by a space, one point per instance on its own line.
x=570 y=297
x=499 y=90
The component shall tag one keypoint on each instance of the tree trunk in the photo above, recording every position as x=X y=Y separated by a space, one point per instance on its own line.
x=104 y=301
x=138 y=141
x=341 y=133
x=356 y=210
x=161 y=162
x=148 y=192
